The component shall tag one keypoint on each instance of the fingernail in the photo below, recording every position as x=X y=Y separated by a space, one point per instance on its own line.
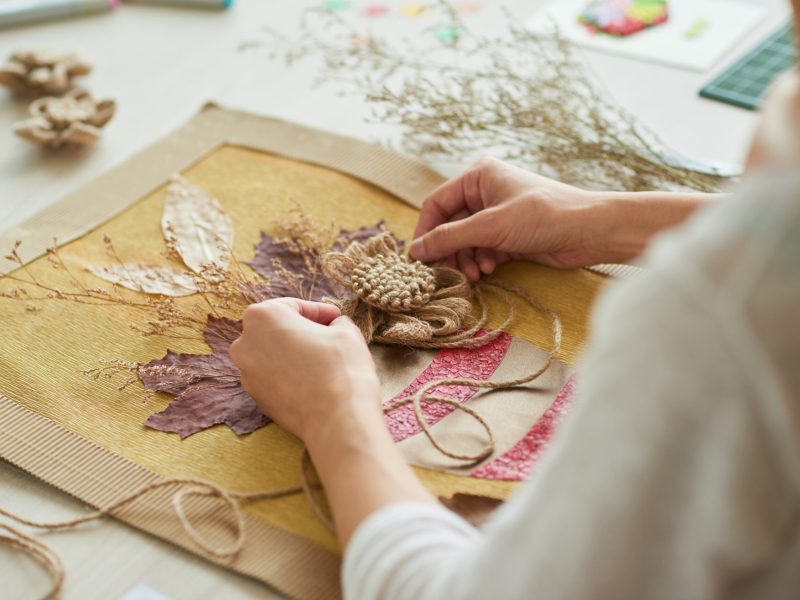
x=417 y=250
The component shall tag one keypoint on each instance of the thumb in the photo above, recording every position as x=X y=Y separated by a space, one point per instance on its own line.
x=449 y=238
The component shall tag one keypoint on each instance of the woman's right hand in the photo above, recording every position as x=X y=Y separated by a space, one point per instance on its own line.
x=496 y=212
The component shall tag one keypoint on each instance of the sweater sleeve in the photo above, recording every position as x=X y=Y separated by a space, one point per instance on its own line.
x=666 y=481
x=421 y=538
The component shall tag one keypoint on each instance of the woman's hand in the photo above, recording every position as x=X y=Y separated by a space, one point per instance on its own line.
x=496 y=212
x=306 y=366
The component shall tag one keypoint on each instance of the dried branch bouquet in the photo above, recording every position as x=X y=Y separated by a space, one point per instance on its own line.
x=519 y=95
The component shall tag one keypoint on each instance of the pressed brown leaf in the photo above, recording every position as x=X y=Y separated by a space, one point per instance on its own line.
x=472 y=508
x=206 y=388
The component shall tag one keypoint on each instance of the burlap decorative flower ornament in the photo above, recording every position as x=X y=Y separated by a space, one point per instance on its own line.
x=42 y=73
x=398 y=301
x=74 y=121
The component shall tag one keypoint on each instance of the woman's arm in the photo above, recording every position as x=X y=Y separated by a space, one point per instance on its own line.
x=360 y=468
x=495 y=212
x=618 y=227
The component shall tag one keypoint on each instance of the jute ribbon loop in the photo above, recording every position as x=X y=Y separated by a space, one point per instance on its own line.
x=395 y=301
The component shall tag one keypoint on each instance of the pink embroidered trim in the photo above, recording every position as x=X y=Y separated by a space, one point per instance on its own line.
x=475 y=363
x=517 y=463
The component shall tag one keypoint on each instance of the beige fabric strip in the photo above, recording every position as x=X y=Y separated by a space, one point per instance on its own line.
x=291 y=564
x=398 y=366
x=617 y=271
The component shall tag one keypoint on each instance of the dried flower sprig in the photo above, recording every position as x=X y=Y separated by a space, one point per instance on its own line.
x=162 y=315
x=287 y=264
x=520 y=95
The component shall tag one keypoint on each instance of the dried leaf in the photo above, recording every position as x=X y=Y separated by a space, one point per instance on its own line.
x=147 y=278
x=206 y=387
x=197 y=227
x=293 y=269
x=472 y=508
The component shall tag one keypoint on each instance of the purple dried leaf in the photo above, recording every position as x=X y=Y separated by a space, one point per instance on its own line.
x=206 y=387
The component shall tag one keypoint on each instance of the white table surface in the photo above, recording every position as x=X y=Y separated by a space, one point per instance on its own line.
x=162 y=65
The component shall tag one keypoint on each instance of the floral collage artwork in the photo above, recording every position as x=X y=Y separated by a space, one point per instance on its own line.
x=205 y=389
x=623 y=18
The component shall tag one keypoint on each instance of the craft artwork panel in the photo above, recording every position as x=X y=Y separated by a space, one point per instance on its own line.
x=55 y=353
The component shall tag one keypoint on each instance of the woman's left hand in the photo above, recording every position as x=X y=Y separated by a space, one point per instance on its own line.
x=306 y=366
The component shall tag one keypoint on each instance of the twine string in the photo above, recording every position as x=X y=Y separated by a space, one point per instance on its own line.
x=187 y=488
x=38 y=551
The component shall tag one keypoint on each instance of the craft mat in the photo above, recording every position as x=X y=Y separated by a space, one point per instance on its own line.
x=745 y=83
x=43 y=355
x=728 y=21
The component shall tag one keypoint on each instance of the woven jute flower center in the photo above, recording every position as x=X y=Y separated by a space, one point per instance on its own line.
x=392 y=283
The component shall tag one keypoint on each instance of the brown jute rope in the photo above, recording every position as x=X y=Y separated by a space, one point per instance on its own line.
x=187 y=488
x=40 y=552
x=436 y=319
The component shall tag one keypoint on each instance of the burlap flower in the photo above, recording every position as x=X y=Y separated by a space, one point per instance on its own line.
x=396 y=300
x=42 y=73
x=73 y=121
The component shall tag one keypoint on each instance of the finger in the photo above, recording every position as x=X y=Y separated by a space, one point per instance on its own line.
x=467 y=264
x=233 y=351
x=319 y=312
x=438 y=208
x=485 y=259
x=452 y=261
x=500 y=258
x=457 y=194
x=449 y=238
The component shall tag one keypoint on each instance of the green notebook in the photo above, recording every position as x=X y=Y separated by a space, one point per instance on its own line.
x=745 y=83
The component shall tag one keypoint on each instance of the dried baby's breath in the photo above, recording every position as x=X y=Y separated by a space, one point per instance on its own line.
x=519 y=95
